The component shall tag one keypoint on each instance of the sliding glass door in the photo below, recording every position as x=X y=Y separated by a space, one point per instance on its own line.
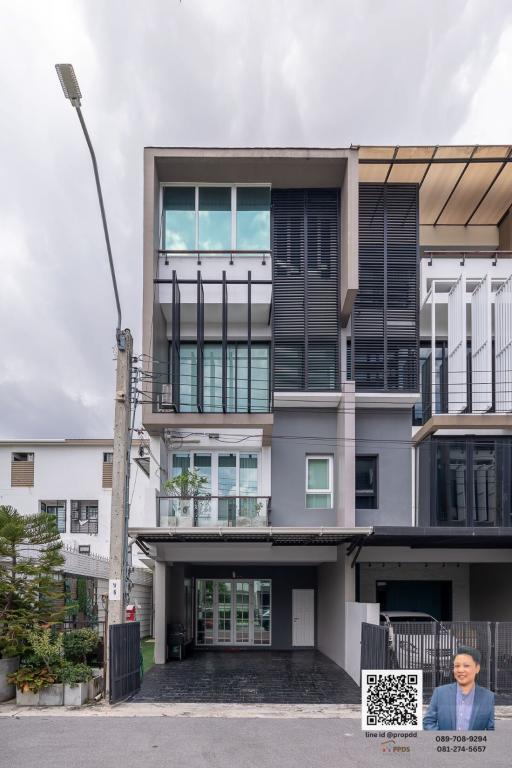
x=233 y=612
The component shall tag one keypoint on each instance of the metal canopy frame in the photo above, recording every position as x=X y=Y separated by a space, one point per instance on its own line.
x=397 y=156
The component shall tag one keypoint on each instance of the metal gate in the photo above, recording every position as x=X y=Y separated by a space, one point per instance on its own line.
x=431 y=646
x=124 y=660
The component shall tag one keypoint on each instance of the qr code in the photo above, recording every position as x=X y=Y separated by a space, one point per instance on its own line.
x=392 y=698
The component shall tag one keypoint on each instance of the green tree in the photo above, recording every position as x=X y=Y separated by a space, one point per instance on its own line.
x=30 y=593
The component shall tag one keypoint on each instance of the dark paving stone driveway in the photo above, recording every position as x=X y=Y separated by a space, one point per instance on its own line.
x=250 y=677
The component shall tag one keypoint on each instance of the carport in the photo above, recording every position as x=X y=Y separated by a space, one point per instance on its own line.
x=264 y=611
x=250 y=677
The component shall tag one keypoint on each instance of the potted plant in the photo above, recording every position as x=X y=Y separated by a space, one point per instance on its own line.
x=75 y=678
x=29 y=556
x=44 y=660
x=188 y=486
x=29 y=681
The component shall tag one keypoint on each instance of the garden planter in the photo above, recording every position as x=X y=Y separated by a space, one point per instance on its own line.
x=7 y=666
x=27 y=699
x=75 y=696
x=95 y=686
x=52 y=696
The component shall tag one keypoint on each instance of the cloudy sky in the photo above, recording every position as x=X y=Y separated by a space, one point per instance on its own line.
x=196 y=72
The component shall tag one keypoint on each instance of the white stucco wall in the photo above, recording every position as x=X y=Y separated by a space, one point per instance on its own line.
x=64 y=472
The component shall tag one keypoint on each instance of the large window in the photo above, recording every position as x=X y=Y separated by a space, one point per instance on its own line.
x=229 y=495
x=216 y=218
x=319 y=482
x=233 y=612
x=237 y=396
x=471 y=481
x=57 y=510
x=366 y=482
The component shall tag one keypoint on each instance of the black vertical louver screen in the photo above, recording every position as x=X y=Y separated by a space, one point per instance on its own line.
x=385 y=317
x=305 y=254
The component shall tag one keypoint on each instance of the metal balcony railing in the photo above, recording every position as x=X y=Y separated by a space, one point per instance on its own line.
x=213 y=511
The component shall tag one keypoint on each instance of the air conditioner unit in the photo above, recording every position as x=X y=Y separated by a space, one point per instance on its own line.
x=166 y=402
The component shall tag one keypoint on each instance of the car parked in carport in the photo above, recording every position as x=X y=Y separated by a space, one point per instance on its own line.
x=418 y=640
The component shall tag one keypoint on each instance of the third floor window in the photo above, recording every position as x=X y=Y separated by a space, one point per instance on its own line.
x=216 y=218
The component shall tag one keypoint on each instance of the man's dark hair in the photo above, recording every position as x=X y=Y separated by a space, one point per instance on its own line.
x=473 y=652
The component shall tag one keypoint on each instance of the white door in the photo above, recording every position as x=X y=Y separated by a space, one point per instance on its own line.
x=303 y=617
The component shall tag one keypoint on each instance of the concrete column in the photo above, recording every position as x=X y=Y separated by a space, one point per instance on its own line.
x=346 y=457
x=336 y=587
x=160 y=603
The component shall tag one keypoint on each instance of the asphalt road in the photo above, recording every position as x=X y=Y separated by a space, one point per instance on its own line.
x=166 y=742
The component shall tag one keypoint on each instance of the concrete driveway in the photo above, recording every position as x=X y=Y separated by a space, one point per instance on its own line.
x=250 y=677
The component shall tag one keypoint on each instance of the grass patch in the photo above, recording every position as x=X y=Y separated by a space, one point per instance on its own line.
x=147 y=648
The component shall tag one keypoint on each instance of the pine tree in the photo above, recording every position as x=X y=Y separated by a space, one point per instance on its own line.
x=30 y=592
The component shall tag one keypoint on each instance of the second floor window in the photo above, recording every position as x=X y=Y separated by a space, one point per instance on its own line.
x=213 y=218
x=57 y=510
x=226 y=474
x=236 y=379
x=319 y=482
x=22 y=470
x=84 y=517
x=106 y=478
x=366 y=482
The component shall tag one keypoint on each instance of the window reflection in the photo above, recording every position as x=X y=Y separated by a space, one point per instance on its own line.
x=214 y=218
x=253 y=218
x=451 y=483
x=179 y=218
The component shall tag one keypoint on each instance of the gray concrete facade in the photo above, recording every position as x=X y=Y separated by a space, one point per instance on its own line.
x=386 y=433
x=313 y=432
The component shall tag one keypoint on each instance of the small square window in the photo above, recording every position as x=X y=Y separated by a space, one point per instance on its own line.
x=108 y=458
x=319 y=482
x=366 y=482
x=84 y=549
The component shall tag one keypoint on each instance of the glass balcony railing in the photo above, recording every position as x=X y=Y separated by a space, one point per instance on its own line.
x=213 y=511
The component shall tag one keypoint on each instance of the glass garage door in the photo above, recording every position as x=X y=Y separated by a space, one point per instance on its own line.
x=233 y=612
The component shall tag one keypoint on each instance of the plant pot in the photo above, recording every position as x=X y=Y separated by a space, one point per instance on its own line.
x=75 y=696
x=95 y=686
x=7 y=691
x=27 y=699
x=52 y=696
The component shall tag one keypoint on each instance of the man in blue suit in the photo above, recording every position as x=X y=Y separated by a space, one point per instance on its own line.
x=463 y=705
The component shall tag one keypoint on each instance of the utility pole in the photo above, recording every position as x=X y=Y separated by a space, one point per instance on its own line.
x=118 y=574
x=120 y=483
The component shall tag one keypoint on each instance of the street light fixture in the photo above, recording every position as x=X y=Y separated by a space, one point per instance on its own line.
x=72 y=92
x=122 y=433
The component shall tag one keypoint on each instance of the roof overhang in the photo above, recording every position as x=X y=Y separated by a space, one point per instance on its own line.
x=279 y=536
x=465 y=421
x=440 y=537
x=465 y=186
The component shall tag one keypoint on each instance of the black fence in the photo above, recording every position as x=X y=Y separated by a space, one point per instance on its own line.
x=124 y=660
x=430 y=646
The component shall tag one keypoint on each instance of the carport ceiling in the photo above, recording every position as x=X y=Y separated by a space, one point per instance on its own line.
x=467 y=185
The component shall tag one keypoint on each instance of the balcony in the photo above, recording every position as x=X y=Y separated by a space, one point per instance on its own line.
x=213 y=511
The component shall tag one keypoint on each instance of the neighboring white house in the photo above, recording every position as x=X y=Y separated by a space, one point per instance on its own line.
x=72 y=480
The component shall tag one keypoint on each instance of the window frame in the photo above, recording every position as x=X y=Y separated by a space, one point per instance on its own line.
x=197 y=187
x=364 y=494
x=84 y=549
x=214 y=467
x=320 y=491
x=85 y=507
x=56 y=504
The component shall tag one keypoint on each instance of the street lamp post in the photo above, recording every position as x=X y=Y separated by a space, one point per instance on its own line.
x=122 y=443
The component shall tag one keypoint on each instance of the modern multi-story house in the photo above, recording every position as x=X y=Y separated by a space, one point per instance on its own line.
x=327 y=344
x=72 y=481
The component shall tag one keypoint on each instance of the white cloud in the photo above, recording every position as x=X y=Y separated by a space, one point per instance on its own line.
x=229 y=72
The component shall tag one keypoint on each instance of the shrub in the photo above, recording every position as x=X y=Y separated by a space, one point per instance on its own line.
x=79 y=643
x=73 y=674
x=46 y=648
x=29 y=679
